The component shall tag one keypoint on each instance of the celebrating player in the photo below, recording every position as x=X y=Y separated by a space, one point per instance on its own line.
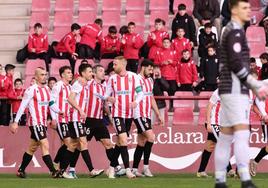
x=234 y=93
x=120 y=91
x=142 y=119
x=36 y=98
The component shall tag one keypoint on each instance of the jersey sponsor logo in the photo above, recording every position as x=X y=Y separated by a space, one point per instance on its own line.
x=123 y=92
x=43 y=103
x=98 y=95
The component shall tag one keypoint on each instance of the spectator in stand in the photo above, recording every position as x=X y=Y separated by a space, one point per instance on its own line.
x=155 y=38
x=38 y=45
x=51 y=82
x=264 y=23
x=16 y=96
x=253 y=67
x=123 y=30
x=110 y=45
x=264 y=68
x=6 y=86
x=160 y=85
x=207 y=11
x=185 y=21
x=209 y=70
x=33 y=81
x=187 y=78
x=225 y=12
x=181 y=43
x=65 y=49
x=171 y=3
x=1 y=69
x=206 y=38
x=90 y=35
x=131 y=43
x=166 y=59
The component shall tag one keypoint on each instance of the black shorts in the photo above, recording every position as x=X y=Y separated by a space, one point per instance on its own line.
x=96 y=128
x=143 y=124
x=122 y=125
x=77 y=129
x=38 y=132
x=215 y=132
x=63 y=130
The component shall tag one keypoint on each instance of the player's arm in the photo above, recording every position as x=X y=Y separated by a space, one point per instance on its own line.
x=260 y=109
x=139 y=97
x=156 y=110
x=28 y=95
x=109 y=91
x=212 y=102
x=54 y=109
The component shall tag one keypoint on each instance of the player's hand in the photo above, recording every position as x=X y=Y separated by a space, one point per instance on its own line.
x=133 y=105
x=111 y=100
x=192 y=44
x=165 y=62
x=265 y=118
x=161 y=121
x=33 y=50
x=123 y=41
x=209 y=128
x=82 y=115
x=179 y=84
x=262 y=92
x=61 y=113
x=74 y=56
x=14 y=127
x=53 y=124
x=195 y=84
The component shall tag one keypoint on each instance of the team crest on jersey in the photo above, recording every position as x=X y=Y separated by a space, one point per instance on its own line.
x=64 y=133
x=42 y=133
x=119 y=128
x=129 y=80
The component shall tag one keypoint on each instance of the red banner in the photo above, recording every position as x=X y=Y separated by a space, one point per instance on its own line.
x=177 y=149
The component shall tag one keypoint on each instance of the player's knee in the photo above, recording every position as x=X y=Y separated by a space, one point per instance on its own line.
x=107 y=143
x=45 y=147
x=32 y=149
x=83 y=144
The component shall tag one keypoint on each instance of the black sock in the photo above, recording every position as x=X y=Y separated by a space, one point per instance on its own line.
x=87 y=159
x=110 y=155
x=204 y=160
x=147 y=152
x=75 y=158
x=229 y=167
x=125 y=156
x=137 y=156
x=261 y=154
x=48 y=161
x=60 y=153
x=64 y=163
x=26 y=159
x=116 y=154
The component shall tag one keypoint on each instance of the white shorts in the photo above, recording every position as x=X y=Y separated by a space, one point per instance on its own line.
x=235 y=110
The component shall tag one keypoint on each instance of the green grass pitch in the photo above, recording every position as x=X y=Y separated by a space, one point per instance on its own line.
x=159 y=181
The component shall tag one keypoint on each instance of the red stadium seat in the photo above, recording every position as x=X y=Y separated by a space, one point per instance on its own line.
x=32 y=64
x=159 y=14
x=78 y=63
x=202 y=116
x=105 y=62
x=189 y=5
x=60 y=32
x=255 y=4
x=63 y=18
x=256 y=48
x=136 y=16
x=40 y=17
x=27 y=81
x=159 y=5
x=111 y=18
x=255 y=34
x=204 y=103
x=183 y=103
x=38 y=5
x=254 y=118
x=111 y=5
x=183 y=116
x=64 y=5
x=137 y=5
x=56 y=64
x=85 y=17
x=88 y=5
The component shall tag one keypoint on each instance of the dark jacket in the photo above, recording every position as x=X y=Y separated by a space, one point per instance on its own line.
x=226 y=13
x=209 y=11
x=209 y=69
x=160 y=85
x=204 y=40
x=187 y=23
x=264 y=71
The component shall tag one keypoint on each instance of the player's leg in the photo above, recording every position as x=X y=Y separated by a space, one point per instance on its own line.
x=27 y=157
x=138 y=154
x=253 y=164
x=74 y=159
x=59 y=155
x=150 y=137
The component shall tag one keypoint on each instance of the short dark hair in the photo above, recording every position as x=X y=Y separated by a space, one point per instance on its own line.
x=181 y=6
x=37 y=25
x=83 y=67
x=179 y=27
x=110 y=68
x=112 y=29
x=208 y=25
x=94 y=69
x=158 y=20
x=211 y=46
x=147 y=63
x=185 y=50
x=84 y=61
x=98 y=21
x=75 y=26
x=9 y=67
x=264 y=56
x=51 y=79
x=17 y=80
x=252 y=60
x=63 y=68
x=233 y=3
x=131 y=23
x=166 y=39
x=123 y=30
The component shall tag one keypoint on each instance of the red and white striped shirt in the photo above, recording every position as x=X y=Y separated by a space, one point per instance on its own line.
x=59 y=94
x=122 y=88
x=37 y=99
x=82 y=98
x=96 y=100
x=145 y=106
